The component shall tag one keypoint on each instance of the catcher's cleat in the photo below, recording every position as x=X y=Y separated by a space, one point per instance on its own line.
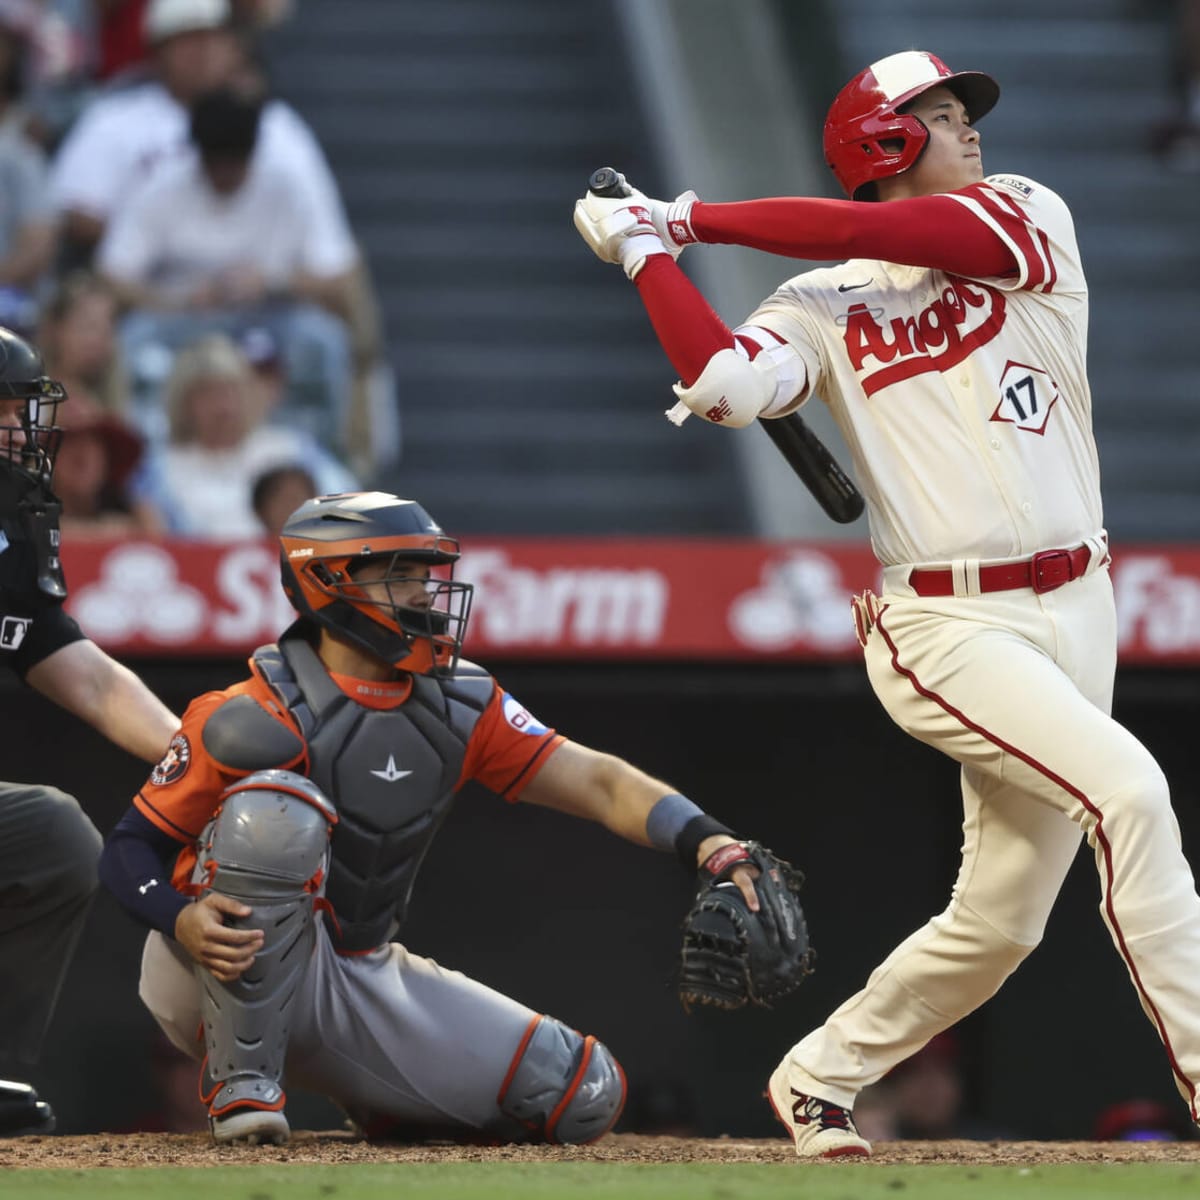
x=250 y=1127
x=21 y=1112
x=820 y=1129
x=246 y=1108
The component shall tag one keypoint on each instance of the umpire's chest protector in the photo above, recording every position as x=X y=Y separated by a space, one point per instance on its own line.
x=391 y=773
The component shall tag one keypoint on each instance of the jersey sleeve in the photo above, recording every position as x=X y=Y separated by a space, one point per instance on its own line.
x=786 y=316
x=508 y=747
x=1035 y=224
x=50 y=631
x=181 y=794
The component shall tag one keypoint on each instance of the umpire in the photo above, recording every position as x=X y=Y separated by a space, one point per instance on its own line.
x=48 y=847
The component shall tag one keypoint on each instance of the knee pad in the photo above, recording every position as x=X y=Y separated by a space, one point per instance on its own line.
x=267 y=846
x=563 y=1086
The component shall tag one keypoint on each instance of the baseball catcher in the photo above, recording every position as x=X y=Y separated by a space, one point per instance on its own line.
x=292 y=813
x=733 y=954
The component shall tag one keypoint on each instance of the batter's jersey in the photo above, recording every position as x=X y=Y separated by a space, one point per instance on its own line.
x=506 y=750
x=964 y=402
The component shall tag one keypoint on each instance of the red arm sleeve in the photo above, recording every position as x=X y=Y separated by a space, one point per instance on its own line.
x=926 y=231
x=687 y=328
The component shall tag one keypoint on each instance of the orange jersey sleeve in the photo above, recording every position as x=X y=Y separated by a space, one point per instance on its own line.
x=183 y=789
x=508 y=747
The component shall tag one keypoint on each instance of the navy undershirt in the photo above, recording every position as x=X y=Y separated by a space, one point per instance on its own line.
x=136 y=867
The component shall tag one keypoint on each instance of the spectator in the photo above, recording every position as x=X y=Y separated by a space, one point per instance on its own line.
x=254 y=16
x=96 y=459
x=26 y=215
x=277 y=494
x=229 y=228
x=201 y=482
x=1139 y=1120
x=924 y=1099
x=77 y=332
x=124 y=137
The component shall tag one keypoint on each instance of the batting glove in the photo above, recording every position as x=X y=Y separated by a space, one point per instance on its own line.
x=619 y=230
x=673 y=221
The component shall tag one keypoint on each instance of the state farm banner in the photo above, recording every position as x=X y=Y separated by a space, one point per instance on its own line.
x=680 y=599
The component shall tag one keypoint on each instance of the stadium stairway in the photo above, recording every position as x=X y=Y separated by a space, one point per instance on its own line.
x=530 y=386
x=1083 y=82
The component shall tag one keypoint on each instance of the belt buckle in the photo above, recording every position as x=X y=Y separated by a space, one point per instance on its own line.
x=1038 y=574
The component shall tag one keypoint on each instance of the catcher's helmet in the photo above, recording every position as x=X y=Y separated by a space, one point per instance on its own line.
x=23 y=377
x=867 y=137
x=323 y=543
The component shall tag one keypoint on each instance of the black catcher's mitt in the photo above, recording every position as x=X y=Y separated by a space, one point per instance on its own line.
x=731 y=955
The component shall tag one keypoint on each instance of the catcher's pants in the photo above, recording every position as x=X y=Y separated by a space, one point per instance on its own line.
x=1017 y=688
x=48 y=855
x=385 y=1034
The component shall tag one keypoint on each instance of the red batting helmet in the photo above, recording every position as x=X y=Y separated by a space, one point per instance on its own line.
x=865 y=115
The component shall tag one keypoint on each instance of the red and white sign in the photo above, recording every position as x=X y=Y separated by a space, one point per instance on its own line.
x=700 y=600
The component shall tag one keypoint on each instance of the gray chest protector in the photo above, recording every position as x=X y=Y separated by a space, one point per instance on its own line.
x=391 y=774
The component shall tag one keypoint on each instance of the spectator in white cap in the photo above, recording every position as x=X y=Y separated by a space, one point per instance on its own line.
x=124 y=137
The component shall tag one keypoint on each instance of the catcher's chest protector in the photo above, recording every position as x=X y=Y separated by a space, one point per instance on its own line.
x=391 y=774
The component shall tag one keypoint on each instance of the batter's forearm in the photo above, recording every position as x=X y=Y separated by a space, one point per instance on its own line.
x=687 y=328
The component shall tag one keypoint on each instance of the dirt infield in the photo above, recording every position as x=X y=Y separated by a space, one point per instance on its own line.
x=195 y=1150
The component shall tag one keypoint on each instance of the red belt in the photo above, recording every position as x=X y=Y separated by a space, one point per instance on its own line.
x=1045 y=571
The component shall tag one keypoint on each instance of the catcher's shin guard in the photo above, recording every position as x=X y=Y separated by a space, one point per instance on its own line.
x=562 y=1086
x=267 y=846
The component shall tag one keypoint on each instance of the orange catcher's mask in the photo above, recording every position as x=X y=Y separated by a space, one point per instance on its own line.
x=412 y=614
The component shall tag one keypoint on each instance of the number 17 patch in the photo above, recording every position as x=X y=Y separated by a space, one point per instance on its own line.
x=1027 y=394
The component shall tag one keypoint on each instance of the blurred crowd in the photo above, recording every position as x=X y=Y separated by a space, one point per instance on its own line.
x=173 y=239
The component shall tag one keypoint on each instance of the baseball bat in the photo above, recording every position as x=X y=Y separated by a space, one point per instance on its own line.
x=805 y=453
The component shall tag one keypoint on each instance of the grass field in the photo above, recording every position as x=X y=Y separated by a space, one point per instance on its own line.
x=608 y=1181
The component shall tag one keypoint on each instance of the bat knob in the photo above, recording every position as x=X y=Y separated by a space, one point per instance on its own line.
x=607 y=182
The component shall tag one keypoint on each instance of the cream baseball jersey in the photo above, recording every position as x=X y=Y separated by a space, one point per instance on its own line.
x=964 y=401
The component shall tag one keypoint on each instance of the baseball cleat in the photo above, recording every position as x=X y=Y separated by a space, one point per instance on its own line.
x=820 y=1128
x=250 y=1127
x=21 y=1112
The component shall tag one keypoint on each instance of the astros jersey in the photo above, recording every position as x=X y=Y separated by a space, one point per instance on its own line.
x=506 y=750
x=964 y=402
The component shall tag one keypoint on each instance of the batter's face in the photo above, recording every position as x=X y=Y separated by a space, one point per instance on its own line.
x=951 y=159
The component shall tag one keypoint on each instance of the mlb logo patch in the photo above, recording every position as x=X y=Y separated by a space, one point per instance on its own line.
x=12 y=632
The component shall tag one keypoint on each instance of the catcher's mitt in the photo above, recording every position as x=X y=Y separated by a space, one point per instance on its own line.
x=731 y=955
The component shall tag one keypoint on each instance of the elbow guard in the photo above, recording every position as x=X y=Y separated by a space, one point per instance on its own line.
x=735 y=390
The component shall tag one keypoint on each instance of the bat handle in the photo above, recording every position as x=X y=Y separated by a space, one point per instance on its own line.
x=609 y=182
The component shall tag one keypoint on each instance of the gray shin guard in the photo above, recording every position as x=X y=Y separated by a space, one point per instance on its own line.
x=267 y=847
x=563 y=1086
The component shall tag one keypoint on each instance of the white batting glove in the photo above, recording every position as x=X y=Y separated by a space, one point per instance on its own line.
x=619 y=230
x=673 y=221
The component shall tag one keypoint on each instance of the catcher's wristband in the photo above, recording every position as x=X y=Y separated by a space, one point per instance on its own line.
x=687 y=841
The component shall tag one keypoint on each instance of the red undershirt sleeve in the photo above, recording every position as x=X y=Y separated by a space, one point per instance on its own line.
x=687 y=328
x=926 y=231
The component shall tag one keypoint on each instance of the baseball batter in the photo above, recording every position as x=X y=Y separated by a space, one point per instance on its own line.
x=950 y=348
x=274 y=848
